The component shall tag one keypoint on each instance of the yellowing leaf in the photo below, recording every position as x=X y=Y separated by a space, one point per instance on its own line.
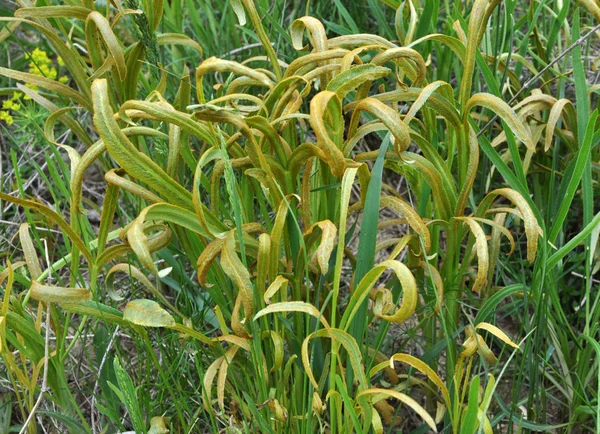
x=275 y=287
x=496 y=332
x=388 y=116
x=316 y=29
x=235 y=340
x=78 y=12
x=502 y=229
x=405 y=399
x=426 y=92
x=9 y=273
x=221 y=65
x=100 y=24
x=532 y=228
x=31 y=257
x=327 y=104
x=339 y=337
x=263 y=260
x=158 y=425
x=58 y=294
x=476 y=23
x=592 y=6
x=137 y=164
x=292 y=306
x=409 y=294
x=412 y=217
x=553 y=119
x=328 y=237
x=402 y=53
x=355 y=77
x=278 y=346
x=235 y=270
x=136 y=274
x=207 y=381
x=238 y=8
x=47 y=83
x=206 y=259
x=507 y=114
x=483 y=257
x=178 y=39
x=147 y=313
x=222 y=377
x=425 y=369
x=484 y=350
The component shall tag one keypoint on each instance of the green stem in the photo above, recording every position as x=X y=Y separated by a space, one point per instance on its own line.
x=260 y=32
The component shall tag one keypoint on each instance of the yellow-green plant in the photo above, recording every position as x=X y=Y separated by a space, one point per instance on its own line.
x=257 y=190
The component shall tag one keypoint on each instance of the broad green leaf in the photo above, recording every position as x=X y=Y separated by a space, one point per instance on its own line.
x=574 y=180
x=96 y=310
x=469 y=423
x=574 y=242
x=127 y=392
x=354 y=77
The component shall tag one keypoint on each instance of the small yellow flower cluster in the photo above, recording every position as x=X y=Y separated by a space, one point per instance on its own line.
x=6 y=117
x=10 y=104
x=39 y=64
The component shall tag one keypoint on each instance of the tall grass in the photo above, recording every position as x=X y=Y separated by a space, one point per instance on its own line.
x=297 y=227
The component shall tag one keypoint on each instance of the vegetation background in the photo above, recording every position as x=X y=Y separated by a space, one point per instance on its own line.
x=284 y=216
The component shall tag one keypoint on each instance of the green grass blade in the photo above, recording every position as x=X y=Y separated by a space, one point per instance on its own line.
x=582 y=161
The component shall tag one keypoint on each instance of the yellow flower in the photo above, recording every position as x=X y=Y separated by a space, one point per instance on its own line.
x=6 y=117
x=40 y=57
x=40 y=64
x=9 y=104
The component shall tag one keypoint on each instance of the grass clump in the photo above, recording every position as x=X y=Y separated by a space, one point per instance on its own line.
x=277 y=279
